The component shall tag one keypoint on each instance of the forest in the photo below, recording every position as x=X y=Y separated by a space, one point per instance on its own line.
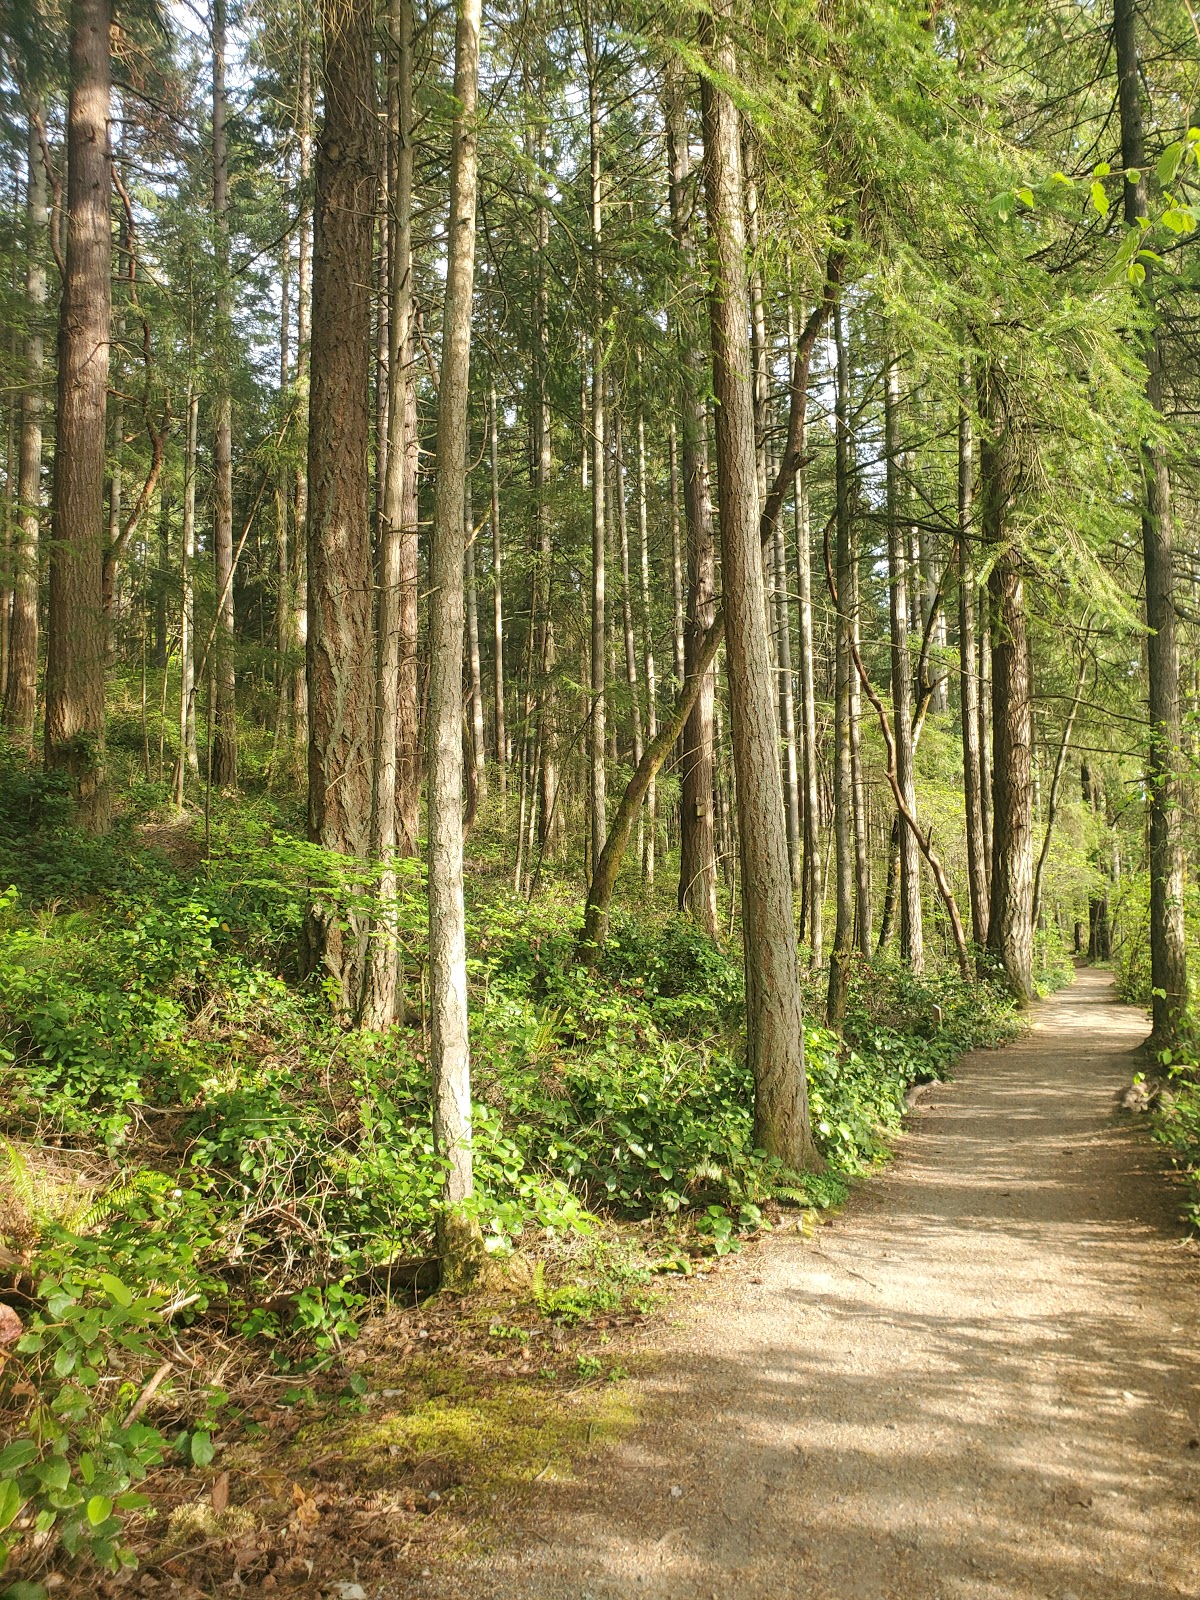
x=591 y=594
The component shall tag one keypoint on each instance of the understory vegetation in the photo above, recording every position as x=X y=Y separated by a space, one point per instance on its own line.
x=193 y=1147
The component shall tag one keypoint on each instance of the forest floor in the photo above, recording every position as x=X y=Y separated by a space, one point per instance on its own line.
x=980 y=1382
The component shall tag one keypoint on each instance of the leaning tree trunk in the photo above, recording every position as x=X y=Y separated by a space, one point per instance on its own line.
x=224 y=740
x=341 y=652
x=697 y=844
x=774 y=1023
x=77 y=637
x=1168 y=946
x=20 y=688
x=449 y=1046
x=1010 y=924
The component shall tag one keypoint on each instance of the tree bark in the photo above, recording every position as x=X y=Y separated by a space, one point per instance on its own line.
x=341 y=651
x=450 y=1049
x=598 y=731
x=474 y=663
x=843 y=775
x=1168 y=944
x=497 y=603
x=1060 y=763
x=774 y=1023
x=912 y=938
x=968 y=682
x=189 y=758
x=20 y=687
x=224 y=743
x=1010 y=924
x=299 y=585
x=697 y=845
x=77 y=646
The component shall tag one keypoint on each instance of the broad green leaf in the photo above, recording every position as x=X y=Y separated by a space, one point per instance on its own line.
x=201 y=1449
x=1168 y=163
x=99 y=1509
x=1137 y=274
x=1027 y=196
x=55 y=1473
x=1102 y=169
x=116 y=1289
x=10 y=1502
x=1100 y=199
x=64 y=1363
x=17 y=1455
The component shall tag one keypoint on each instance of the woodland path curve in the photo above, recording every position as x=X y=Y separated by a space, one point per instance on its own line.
x=980 y=1382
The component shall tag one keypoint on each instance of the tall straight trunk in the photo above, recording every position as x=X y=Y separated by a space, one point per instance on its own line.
x=774 y=1023
x=549 y=812
x=648 y=663
x=622 y=519
x=843 y=774
x=474 y=661
x=758 y=328
x=497 y=603
x=912 y=936
x=380 y=1001
x=1060 y=764
x=984 y=654
x=160 y=579
x=20 y=687
x=450 y=1050
x=1168 y=947
x=224 y=743
x=188 y=759
x=299 y=584
x=787 y=703
x=814 y=886
x=968 y=682
x=77 y=652
x=697 y=843
x=862 y=860
x=341 y=649
x=598 y=731
x=1099 y=947
x=676 y=556
x=1010 y=924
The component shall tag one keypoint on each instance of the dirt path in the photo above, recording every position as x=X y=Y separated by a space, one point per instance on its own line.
x=981 y=1383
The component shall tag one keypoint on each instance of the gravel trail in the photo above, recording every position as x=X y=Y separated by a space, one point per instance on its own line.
x=981 y=1382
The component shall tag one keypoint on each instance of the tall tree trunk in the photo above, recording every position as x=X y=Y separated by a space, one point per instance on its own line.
x=341 y=652
x=1099 y=946
x=843 y=774
x=1010 y=924
x=549 y=812
x=188 y=759
x=497 y=603
x=912 y=937
x=224 y=744
x=77 y=649
x=697 y=846
x=450 y=1050
x=299 y=585
x=968 y=682
x=676 y=556
x=1168 y=946
x=814 y=888
x=984 y=652
x=598 y=731
x=20 y=687
x=474 y=663
x=1060 y=764
x=622 y=519
x=651 y=848
x=774 y=1024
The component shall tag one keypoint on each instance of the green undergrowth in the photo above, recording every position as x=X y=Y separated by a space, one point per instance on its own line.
x=190 y=1140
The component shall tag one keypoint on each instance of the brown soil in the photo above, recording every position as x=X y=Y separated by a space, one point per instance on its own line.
x=979 y=1383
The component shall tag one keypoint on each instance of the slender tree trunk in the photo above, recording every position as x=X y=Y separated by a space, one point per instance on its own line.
x=1099 y=946
x=20 y=688
x=1010 y=925
x=814 y=893
x=676 y=556
x=225 y=753
x=550 y=821
x=189 y=757
x=1168 y=946
x=697 y=847
x=843 y=774
x=984 y=616
x=474 y=663
x=598 y=731
x=1060 y=764
x=450 y=1050
x=77 y=647
x=787 y=705
x=299 y=586
x=912 y=937
x=774 y=1024
x=968 y=682
x=341 y=648
x=497 y=603
x=622 y=518
x=648 y=663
